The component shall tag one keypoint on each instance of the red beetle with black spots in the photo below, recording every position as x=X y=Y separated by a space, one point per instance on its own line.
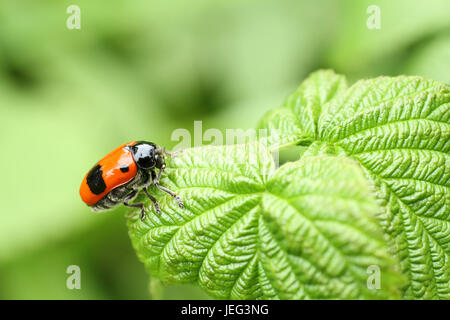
x=119 y=176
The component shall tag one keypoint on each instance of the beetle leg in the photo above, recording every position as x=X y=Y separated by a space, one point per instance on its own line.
x=159 y=174
x=140 y=205
x=154 y=176
x=155 y=203
x=171 y=193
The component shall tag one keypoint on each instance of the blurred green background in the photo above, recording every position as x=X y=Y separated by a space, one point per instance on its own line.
x=139 y=70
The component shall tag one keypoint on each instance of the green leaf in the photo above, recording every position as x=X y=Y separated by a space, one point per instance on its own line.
x=296 y=120
x=249 y=231
x=399 y=131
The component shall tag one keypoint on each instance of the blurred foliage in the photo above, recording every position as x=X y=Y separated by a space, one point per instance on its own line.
x=139 y=70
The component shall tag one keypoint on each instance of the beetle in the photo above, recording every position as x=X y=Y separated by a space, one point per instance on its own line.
x=118 y=177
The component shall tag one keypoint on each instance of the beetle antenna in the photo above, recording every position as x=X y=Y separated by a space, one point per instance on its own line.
x=171 y=154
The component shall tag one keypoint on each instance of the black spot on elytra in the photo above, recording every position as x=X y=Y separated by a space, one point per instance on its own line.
x=125 y=169
x=95 y=180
